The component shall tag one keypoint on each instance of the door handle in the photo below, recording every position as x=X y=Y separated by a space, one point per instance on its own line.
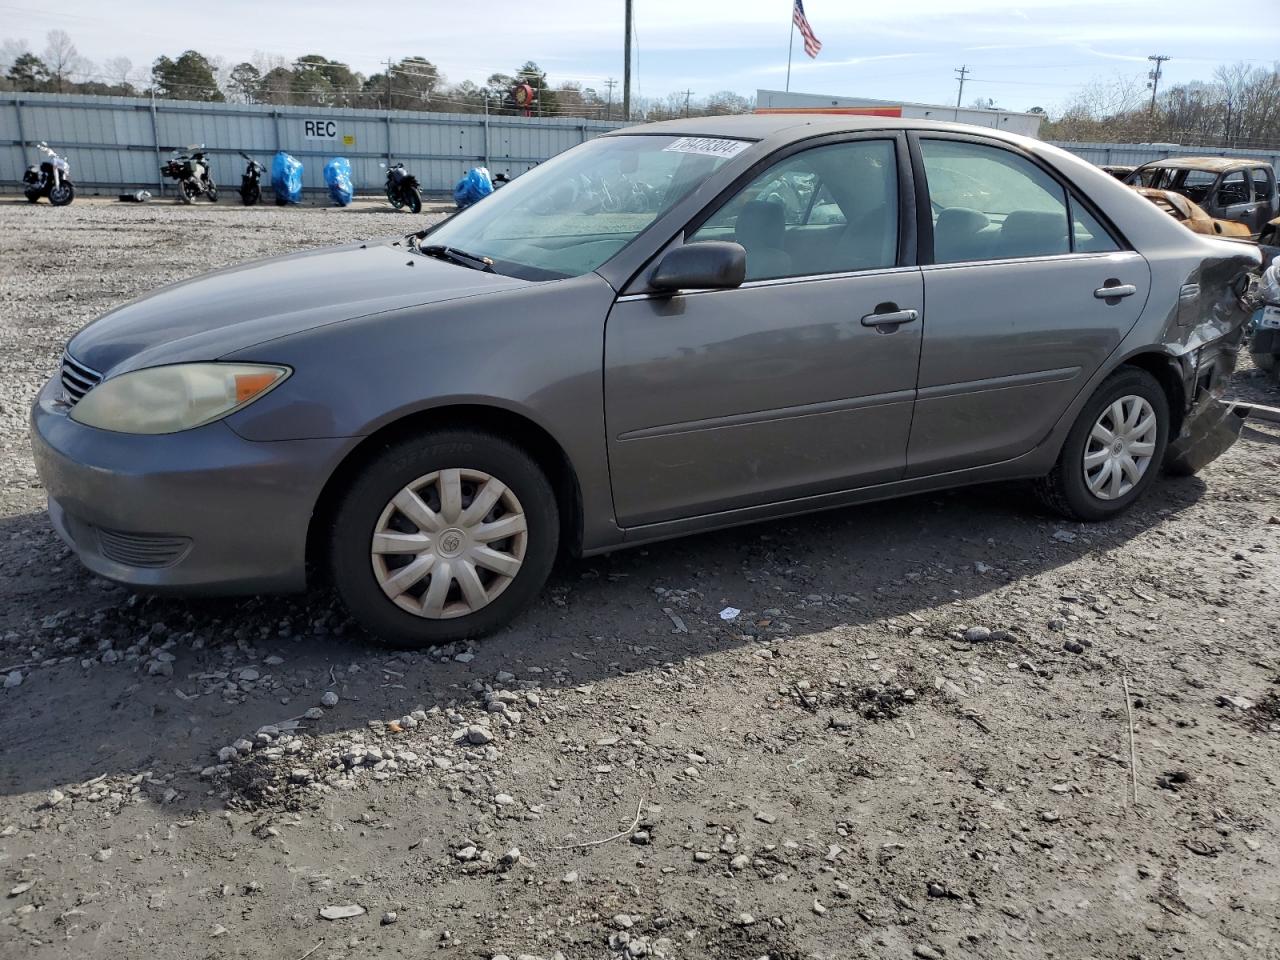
x=890 y=319
x=1114 y=291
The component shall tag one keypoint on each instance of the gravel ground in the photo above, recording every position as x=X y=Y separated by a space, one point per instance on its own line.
x=910 y=740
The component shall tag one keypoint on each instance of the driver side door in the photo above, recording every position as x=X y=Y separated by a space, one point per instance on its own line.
x=799 y=382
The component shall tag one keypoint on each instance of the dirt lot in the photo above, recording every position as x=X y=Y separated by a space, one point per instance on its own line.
x=839 y=771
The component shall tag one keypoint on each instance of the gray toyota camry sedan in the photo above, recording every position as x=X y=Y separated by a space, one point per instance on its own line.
x=669 y=329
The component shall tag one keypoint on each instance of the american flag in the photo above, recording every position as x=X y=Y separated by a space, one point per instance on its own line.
x=811 y=43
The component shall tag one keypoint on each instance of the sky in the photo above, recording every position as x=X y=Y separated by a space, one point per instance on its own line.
x=1031 y=53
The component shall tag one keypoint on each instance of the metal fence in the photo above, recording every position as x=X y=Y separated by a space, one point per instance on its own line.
x=1136 y=153
x=118 y=143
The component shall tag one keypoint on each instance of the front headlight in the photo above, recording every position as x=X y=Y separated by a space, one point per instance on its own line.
x=174 y=398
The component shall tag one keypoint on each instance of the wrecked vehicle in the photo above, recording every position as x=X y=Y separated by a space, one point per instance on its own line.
x=1224 y=187
x=428 y=422
x=1264 y=340
x=1193 y=217
x=1118 y=170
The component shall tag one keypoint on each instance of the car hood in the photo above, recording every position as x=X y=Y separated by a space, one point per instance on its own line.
x=210 y=316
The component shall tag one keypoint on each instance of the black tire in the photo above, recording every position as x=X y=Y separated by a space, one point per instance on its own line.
x=63 y=194
x=281 y=201
x=33 y=196
x=413 y=199
x=393 y=197
x=250 y=195
x=1064 y=490
x=186 y=192
x=398 y=465
x=211 y=191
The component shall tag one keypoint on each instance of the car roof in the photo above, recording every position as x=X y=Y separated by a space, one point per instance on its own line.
x=786 y=127
x=1208 y=164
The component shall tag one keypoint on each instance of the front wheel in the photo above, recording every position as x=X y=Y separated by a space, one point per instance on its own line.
x=443 y=537
x=1113 y=452
x=186 y=191
x=211 y=191
x=250 y=194
x=62 y=194
x=393 y=196
x=413 y=199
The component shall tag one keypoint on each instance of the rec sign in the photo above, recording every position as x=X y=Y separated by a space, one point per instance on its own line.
x=319 y=129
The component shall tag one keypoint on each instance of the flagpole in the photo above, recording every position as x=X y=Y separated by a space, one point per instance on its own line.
x=791 y=42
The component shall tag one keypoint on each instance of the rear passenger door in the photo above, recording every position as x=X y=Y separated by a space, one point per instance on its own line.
x=1016 y=273
x=1233 y=199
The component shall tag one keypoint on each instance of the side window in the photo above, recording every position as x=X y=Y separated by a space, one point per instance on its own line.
x=1195 y=185
x=1233 y=189
x=991 y=204
x=831 y=209
x=1263 y=185
x=1087 y=234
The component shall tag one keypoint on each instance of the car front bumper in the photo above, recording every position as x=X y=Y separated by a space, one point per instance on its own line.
x=199 y=511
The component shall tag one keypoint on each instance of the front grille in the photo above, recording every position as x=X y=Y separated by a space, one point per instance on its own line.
x=77 y=379
x=142 y=549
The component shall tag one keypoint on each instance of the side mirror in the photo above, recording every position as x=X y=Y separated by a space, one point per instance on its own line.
x=710 y=265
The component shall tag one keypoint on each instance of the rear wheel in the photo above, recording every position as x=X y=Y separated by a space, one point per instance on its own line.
x=211 y=191
x=1113 y=452
x=33 y=196
x=443 y=537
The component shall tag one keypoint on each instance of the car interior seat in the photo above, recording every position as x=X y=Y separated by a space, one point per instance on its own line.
x=958 y=235
x=1034 y=233
x=761 y=229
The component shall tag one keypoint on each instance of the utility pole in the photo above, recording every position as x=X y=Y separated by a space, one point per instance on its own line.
x=687 y=95
x=626 y=65
x=388 y=83
x=1159 y=60
x=608 y=110
x=961 y=74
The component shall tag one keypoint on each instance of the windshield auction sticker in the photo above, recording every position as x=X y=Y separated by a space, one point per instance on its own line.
x=707 y=146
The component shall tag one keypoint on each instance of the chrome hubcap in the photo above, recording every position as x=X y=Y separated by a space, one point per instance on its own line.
x=1120 y=447
x=449 y=543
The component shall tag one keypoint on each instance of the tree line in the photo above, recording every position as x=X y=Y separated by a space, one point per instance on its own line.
x=412 y=83
x=1239 y=107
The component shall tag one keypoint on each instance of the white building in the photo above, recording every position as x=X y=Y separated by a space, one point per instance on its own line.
x=778 y=101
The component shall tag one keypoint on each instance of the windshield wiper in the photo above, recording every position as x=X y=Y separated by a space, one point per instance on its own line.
x=454 y=255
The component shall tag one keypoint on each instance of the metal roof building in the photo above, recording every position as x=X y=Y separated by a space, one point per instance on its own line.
x=780 y=101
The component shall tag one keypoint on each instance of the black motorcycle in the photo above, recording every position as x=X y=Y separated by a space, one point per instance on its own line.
x=50 y=178
x=191 y=170
x=250 y=180
x=402 y=188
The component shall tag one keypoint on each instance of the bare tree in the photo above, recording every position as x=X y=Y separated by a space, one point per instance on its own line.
x=117 y=70
x=62 y=58
x=10 y=50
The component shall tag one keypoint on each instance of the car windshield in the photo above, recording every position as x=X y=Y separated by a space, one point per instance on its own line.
x=569 y=215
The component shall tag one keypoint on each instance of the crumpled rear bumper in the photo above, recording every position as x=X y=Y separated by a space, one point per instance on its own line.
x=1208 y=431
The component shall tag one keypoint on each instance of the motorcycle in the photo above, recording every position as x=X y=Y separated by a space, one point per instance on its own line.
x=250 y=181
x=50 y=178
x=1264 y=339
x=402 y=188
x=191 y=170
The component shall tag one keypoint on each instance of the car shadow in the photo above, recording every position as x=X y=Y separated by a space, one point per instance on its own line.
x=78 y=717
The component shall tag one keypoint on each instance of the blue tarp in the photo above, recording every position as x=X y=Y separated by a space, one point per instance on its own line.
x=476 y=185
x=286 y=178
x=337 y=177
